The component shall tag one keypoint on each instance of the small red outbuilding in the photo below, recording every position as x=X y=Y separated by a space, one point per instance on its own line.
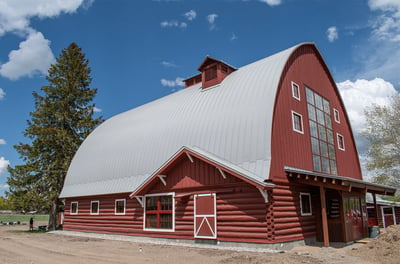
x=259 y=154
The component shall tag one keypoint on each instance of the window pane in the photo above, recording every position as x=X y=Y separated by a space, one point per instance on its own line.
x=151 y=220
x=320 y=117
x=297 y=123
x=313 y=129
x=166 y=202
x=326 y=106
x=95 y=208
x=322 y=133
x=310 y=96
x=324 y=149
x=120 y=206
x=325 y=165
x=305 y=204
x=332 y=154
x=328 y=121
x=311 y=112
x=329 y=135
x=151 y=203
x=166 y=221
x=315 y=146
x=318 y=101
x=333 y=167
x=317 y=163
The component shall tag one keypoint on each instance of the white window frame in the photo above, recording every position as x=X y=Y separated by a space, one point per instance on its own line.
x=338 y=141
x=115 y=206
x=98 y=207
x=301 y=121
x=173 y=212
x=77 y=208
x=295 y=86
x=336 y=115
x=301 y=203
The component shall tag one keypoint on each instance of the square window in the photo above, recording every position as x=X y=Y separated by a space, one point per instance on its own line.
x=159 y=212
x=297 y=122
x=74 y=208
x=120 y=206
x=295 y=91
x=305 y=204
x=340 y=142
x=94 y=207
x=336 y=115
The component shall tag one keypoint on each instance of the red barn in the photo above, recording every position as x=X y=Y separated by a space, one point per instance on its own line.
x=259 y=154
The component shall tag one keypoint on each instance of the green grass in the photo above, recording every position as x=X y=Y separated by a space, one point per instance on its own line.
x=22 y=218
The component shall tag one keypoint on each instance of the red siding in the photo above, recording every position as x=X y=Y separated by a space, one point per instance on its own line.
x=290 y=148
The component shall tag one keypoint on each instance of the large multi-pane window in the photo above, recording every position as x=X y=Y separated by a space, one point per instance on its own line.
x=159 y=212
x=322 y=142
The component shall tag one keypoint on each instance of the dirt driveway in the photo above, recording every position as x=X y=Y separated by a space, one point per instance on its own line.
x=24 y=247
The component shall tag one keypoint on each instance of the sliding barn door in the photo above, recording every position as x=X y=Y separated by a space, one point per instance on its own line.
x=205 y=219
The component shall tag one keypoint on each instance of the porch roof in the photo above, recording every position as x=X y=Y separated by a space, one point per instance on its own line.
x=336 y=182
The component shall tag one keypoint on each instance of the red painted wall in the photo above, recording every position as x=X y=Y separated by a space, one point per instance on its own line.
x=290 y=148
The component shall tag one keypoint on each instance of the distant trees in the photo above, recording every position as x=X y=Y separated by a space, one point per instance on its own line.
x=62 y=119
x=383 y=135
x=5 y=204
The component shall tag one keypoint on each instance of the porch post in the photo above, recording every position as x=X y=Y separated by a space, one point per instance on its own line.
x=376 y=208
x=324 y=216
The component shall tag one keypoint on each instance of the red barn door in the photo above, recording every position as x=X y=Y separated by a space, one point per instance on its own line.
x=205 y=220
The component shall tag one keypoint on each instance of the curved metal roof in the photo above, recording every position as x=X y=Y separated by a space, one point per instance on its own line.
x=232 y=120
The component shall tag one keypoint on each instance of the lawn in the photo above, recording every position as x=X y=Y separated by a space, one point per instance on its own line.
x=22 y=218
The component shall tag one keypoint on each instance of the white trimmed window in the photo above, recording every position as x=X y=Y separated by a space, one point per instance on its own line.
x=94 y=207
x=297 y=122
x=159 y=212
x=340 y=142
x=74 y=208
x=120 y=206
x=305 y=204
x=295 y=91
x=336 y=115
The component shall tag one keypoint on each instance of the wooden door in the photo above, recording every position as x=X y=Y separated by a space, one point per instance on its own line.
x=205 y=220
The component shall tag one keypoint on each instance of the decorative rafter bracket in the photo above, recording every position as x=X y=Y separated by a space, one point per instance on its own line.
x=140 y=199
x=264 y=194
x=162 y=179
x=222 y=173
x=189 y=157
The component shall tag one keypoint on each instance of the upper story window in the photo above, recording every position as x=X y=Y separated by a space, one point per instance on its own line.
x=159 y=212
x=297 y=122
x=321 y=133
x=211 y=73
x=74 y=208
x=120 y=206
x=340 y=142
x=295 y=91
x=94 y=207
x=336 y=115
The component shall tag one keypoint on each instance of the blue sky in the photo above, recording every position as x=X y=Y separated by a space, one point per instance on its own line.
x=141 y=50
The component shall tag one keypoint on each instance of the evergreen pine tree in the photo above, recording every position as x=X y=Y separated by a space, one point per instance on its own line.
x=62 y=119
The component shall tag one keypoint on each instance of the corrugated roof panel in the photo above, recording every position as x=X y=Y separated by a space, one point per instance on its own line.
x=232 y=121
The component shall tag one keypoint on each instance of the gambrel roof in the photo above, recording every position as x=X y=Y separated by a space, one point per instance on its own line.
x=232 y=121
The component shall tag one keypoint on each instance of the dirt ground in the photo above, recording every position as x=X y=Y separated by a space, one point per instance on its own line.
x=25 y=247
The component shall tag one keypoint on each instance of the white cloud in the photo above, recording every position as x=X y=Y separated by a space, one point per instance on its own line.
x=3 y=165
x=233 y=36
x=2 y=94
x=387 y=25
x=272 y=2
x=168 y=64
x=16 y=15
x=2 y=141
x=4 y=187
x=33 y=56
x=360 y=95
x=332 y=34
x=97 y=110
x=173 y=83
x=173 y=23
x=190 y=15
x=211 y=20
x=15 y=18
